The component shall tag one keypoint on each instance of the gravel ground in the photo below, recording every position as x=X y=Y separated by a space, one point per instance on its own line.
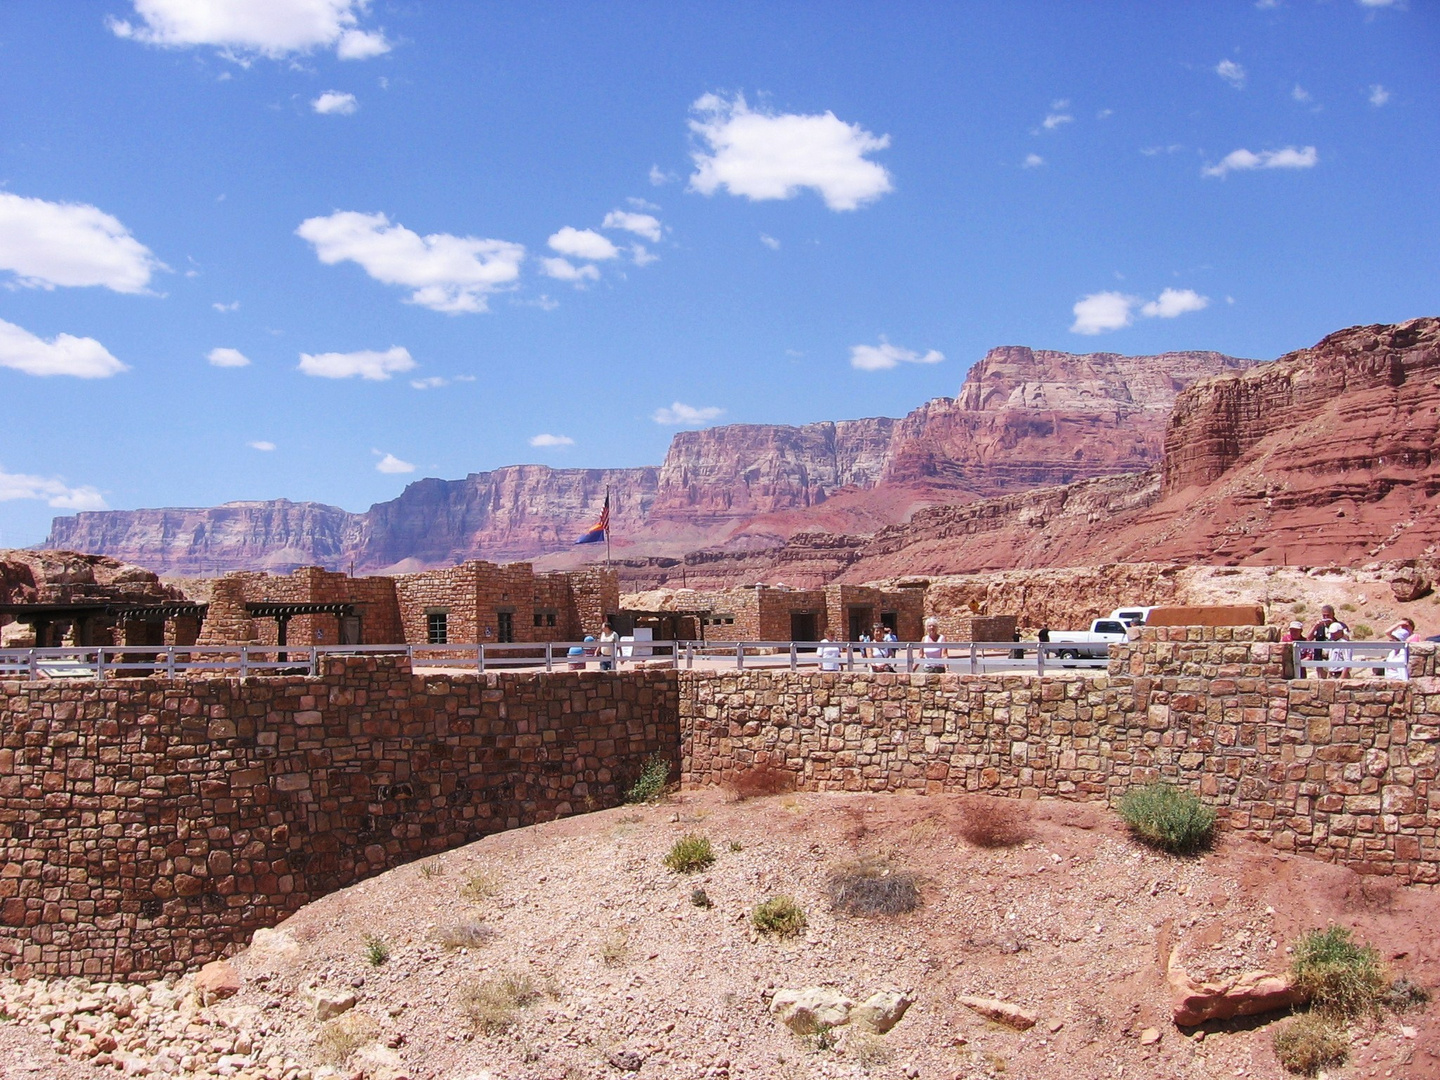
x=1071 y=921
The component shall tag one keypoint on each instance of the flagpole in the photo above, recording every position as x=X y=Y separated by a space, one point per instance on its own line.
x=607 y=529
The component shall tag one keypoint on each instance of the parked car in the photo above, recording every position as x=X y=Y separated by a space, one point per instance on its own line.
x=1092 y=644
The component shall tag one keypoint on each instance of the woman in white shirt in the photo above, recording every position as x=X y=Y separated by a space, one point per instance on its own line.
x=933 y=655
x=1395 y=662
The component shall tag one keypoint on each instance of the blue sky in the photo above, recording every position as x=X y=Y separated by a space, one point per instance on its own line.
x=317 y=249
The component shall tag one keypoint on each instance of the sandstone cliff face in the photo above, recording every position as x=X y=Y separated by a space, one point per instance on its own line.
x=1028 y=418
x=1325 y=456
x=278 y=535
x=1023 y=419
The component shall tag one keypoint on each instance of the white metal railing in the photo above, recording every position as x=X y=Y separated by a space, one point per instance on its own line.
x=955 y=657
x=1352 y=659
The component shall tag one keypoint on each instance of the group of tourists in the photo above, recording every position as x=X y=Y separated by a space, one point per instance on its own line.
x=1331 y=628
x=877 y=648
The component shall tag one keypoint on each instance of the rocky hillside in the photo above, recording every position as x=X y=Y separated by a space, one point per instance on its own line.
x=1324 y=456
x=1046 y=945
x=1023 y=419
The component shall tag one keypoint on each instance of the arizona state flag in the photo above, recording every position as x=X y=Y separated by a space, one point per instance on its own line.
x=598 y=531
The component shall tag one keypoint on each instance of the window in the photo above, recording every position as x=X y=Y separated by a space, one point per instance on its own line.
x=437 y=627
x=550 y=618
x=539 y=618
x=544 y=618
x=506 y=624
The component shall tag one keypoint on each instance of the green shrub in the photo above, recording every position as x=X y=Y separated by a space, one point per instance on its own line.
x=1173 y=820
x=1310 y=1042
x=779 y=915
x=376 y=951
x=690 y=853
x=1364 y=632
x=651 y=783
x=1338 y=974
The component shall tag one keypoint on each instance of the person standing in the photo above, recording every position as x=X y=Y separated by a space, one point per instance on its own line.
x=1321 y=632
x=1396 y=661
x=609 y=646
x=930 y=652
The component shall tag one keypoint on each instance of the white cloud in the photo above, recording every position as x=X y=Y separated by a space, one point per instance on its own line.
x=678 y=413
x=273 y=28
x=53 y=491
x=1151 y=151
x=774 y=156
x=642 y=204
x=1266 y=5
x=565 y=270
x=1099 y=312
x=1300 y=94
x=885 y=356
x=448 y=273
x=1381 y=3
x=46 y=244
x=1173 y=302
x=551 y=440
x=1055 y=120
x=642 y=256
x=1231 y=72
x=659 y=177
x=640 y=224
x=375 y=366
x=333 y=102
x=84 y=358
x=1104 y=114
x=1104 y=311
x=430 y=382
x=361 y=45
x=261 y=444
x=1242 y=160
x=770 y=241
x=1032 y=161
x=234 y=305
x=1379 y=95
x=582 y=244
x=227 y=358
x=389 y=463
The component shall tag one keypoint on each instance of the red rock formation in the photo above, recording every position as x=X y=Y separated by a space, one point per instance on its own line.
x=1022 y=419
x=1324 y=456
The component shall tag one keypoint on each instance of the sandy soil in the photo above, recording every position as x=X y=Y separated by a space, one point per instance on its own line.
x=1073 y=923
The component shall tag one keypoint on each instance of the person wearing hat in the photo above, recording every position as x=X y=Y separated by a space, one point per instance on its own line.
x=1294 y=632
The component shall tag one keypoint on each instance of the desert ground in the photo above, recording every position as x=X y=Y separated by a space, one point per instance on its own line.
x=1047 y=905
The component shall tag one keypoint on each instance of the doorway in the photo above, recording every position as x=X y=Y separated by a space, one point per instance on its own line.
x=862 y=621
x=802 y=626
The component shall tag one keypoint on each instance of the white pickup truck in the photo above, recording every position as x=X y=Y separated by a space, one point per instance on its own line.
x=1092 y=644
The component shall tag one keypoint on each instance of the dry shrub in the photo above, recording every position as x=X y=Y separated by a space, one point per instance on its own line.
x=493 y=1005
x=994 y=823
x=873 y=887
x=465 y=934
x=616 y=949
x=1309 y=1043
x=760 y=780
x=480 y=883
x=341 y=1037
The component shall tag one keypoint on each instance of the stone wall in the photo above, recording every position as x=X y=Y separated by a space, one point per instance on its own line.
x=150 y=826
x=1345 y=770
